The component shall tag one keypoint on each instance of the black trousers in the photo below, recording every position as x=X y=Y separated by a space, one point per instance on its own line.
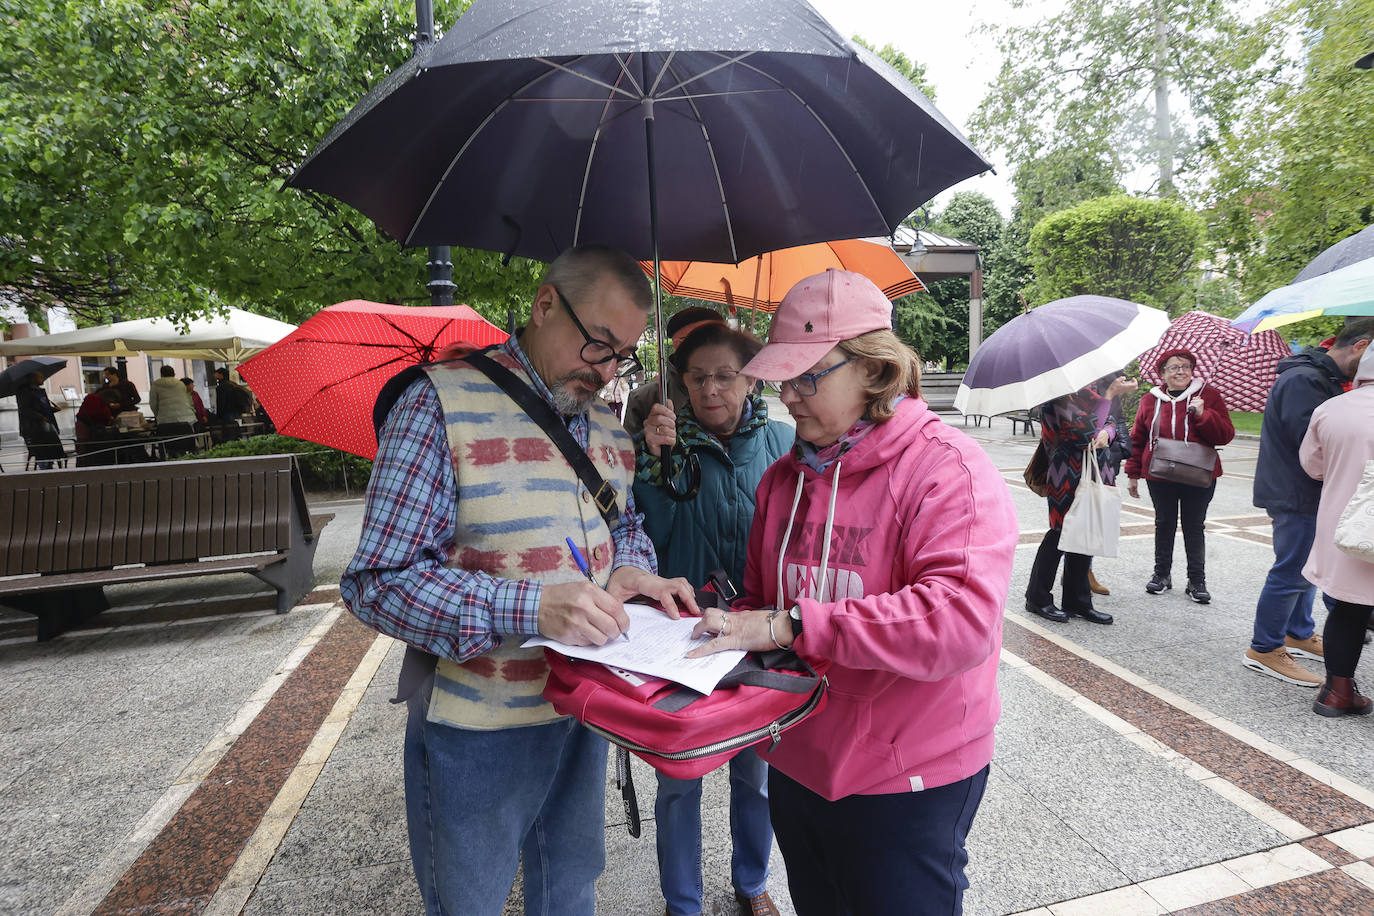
x=1040 y=589
x=894 y=855
x=1343 y=636
x=1173 y=501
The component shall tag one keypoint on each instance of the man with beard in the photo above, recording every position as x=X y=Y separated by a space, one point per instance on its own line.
x=462 y=557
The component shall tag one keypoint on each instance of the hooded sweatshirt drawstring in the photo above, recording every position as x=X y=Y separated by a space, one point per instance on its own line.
x=829 y=528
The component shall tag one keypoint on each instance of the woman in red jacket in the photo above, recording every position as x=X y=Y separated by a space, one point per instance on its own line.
x=1184 y=407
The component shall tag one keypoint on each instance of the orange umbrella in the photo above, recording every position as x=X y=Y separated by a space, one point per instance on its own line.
x=761 y=282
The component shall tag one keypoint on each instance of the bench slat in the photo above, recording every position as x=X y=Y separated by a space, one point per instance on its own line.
x=65 y=581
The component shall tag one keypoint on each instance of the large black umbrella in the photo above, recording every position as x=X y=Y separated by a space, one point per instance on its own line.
x=14 y=376
x=532 y=126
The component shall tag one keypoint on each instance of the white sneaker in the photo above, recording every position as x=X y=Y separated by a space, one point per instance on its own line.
x=1279 y=664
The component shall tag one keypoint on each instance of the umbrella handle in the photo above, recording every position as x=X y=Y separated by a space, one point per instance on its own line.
x=692 y=470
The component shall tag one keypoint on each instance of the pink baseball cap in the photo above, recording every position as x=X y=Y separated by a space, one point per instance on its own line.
x=814 y=316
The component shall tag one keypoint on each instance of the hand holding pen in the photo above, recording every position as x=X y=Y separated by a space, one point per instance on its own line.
x=581 y=613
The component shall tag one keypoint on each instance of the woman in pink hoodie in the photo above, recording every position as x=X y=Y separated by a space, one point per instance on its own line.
x=1338 y=445
x=881 y=546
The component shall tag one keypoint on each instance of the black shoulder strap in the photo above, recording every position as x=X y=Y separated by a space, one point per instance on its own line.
x=603 y=494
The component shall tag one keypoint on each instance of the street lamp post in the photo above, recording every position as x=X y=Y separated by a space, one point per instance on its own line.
x=439 y=264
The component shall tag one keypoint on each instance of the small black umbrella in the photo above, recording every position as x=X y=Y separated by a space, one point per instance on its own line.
x=1347 y=251
x=14 y=376
x=532 y=126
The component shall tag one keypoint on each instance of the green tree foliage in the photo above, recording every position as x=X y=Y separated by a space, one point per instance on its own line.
x=1115 y=77
x=1051 y=182
x=144 y=143
x=1296 y=174
x=1131 y=248
x=913 y=71
x=936 y=322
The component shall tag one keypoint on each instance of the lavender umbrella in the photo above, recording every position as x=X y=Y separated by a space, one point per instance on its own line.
x=1054 y=350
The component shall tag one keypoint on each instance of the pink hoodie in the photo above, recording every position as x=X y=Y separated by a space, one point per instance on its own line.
x=905 y=597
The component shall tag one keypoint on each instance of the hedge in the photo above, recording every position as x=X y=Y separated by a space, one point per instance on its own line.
x=322 y=468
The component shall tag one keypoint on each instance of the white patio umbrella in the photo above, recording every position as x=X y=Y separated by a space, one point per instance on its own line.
x=231 y=338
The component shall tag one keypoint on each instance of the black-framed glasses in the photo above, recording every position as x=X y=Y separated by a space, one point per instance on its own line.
x=723 y=378
x=805 y=384
x=595 y=351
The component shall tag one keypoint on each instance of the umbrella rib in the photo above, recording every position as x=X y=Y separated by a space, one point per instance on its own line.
x=471 y=139
x=715 y=170
x=591 y=156
x=725 y=62
x=634 y=96
x=839 y=147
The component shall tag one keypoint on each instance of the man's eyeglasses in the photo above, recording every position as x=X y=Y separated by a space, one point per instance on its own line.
x=805 y=384
x=595 y=352
x=1178 y=367
x=697 y=381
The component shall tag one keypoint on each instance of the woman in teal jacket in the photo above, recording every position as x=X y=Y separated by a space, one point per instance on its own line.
x=726 y=425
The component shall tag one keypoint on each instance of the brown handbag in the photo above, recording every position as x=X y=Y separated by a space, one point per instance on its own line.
x=1036 y=474
x=1183 y=461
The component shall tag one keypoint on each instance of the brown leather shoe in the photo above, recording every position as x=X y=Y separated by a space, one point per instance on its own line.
x=1097 y=587
x=1340 y=697
x=758 y=905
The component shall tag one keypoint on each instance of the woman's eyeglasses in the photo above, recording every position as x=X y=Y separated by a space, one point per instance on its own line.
x=697 y=381
x=1178 y=367
x=805 y=384
x=595 y=352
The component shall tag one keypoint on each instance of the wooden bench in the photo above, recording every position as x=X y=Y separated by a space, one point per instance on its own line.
x=939 y=389
x=66 y=534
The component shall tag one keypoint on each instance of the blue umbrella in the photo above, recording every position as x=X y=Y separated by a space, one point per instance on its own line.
x=1347 y=291
x=1054 y=350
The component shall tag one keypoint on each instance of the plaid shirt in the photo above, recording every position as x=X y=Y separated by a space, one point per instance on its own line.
x=399 y=582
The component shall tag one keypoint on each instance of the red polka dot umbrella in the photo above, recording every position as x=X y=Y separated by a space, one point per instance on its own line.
x=319 y=383
x=1239 y=365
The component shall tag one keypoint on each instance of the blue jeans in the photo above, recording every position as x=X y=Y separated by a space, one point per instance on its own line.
x=1285 y=601
x=677 y=813
x=891 y=854
x=479 y=802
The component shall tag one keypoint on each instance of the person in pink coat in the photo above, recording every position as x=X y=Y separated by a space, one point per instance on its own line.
x=1338 y=444
x=882 y=547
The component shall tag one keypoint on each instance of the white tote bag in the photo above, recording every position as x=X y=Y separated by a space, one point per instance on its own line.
x=1355 y=530
x=1092 y=526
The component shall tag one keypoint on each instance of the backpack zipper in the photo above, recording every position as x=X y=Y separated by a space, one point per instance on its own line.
x=774 y=728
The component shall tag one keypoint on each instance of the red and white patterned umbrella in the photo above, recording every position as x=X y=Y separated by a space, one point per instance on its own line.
x=320 y=382
x=1239 y=365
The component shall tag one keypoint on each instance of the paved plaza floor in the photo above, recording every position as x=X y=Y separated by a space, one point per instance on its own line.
x=193 y=752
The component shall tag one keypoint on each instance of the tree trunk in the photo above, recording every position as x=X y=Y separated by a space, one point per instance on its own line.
x=1164 y=139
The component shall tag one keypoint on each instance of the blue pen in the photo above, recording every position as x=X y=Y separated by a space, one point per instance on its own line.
x=581 y=562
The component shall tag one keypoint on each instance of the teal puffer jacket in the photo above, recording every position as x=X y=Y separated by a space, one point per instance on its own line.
x=711 y=531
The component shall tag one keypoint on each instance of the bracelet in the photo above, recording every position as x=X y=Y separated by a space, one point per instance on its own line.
x=771 y=615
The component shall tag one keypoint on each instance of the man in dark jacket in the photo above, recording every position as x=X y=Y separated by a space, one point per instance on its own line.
x=1283 y=617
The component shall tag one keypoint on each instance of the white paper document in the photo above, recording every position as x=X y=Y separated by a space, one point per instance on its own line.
x=658 y=645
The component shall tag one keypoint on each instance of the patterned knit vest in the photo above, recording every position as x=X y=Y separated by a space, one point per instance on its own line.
x=518 y=498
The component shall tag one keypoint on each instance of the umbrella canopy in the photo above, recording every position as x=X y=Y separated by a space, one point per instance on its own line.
x=1239 y=365
x=1347 y=251
x=760 y=282
x=1054 y=350
x=13 y=377
x=321 y=382
x=525 y=130
x=1346 y=291
x=231 y=338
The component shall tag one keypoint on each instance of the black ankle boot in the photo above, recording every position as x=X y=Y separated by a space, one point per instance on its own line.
x=1158 y=583
x=1198 y=592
